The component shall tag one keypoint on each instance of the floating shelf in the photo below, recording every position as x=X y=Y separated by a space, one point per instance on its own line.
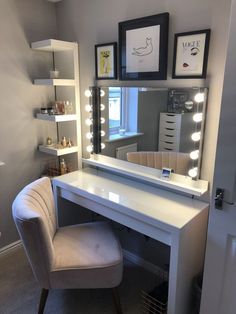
x=53 y=45
x=54 y=82
x=148 y=175
x=58 y=152
x=56 y=118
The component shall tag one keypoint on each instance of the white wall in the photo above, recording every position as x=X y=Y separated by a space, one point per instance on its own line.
x=91 y=22
x=20 y=23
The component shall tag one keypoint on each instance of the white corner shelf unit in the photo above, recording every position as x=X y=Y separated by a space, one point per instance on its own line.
x=65 y=56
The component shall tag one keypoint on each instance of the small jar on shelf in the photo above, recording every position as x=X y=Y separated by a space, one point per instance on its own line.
x=68 y=107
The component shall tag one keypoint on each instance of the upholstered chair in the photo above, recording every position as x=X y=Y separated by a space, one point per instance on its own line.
x=179 y=162
x=79 y=256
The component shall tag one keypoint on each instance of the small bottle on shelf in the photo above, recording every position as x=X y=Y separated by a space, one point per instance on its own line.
x=69 y=143
x=63 y=167
x=63 y=141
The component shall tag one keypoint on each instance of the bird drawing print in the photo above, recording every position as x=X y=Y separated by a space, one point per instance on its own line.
x=144 y=51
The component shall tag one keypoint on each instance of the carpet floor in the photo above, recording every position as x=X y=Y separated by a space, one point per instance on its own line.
x=19 y=292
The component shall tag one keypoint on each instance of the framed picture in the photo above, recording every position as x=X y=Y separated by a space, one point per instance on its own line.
x=106 y=61
x=191 y=54
x=143 y=48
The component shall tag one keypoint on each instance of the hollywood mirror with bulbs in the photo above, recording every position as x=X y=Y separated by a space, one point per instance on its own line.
x=126 y=121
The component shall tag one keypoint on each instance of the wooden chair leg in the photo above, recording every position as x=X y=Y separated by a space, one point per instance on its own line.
x=43 y=299
x=116 y=300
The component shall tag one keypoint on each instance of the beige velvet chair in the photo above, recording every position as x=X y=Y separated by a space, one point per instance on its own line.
x=179 y=162
x=79 y=256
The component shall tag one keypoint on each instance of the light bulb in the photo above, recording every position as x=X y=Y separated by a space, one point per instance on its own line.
x=102 y=107
x=193 y=172
x=103 y=146
x=103 y=120
x=196 y=136
x=88 y=108
x=199 y=97
x=103 y=133
x=89 y=148
x=88 y=122
x=194 y=154
x=102 y=93
x=88 y=93
x=197 y=117
x=89 y=135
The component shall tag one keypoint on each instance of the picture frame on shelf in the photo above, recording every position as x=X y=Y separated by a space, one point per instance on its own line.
x=191 y=54
x=106 y=61
x=143 y=48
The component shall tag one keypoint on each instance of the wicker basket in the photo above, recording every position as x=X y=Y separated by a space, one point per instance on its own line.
x=50 y=168
x=155 y=301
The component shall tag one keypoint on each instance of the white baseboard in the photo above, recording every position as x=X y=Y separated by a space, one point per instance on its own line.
x=135 y=259
x=10 y=247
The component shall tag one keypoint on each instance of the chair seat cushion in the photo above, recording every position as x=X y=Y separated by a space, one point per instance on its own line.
x=86 y=256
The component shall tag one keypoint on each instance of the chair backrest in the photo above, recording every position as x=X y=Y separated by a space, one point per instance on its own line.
x=179 y=162
x=34 y=215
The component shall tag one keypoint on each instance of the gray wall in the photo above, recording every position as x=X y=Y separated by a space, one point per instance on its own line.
x=90 y=22
x=20 y=23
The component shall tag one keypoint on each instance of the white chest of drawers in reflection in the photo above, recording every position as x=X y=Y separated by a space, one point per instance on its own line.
x=175 y=130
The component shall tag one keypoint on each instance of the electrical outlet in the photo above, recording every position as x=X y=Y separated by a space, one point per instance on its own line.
x=219 y=198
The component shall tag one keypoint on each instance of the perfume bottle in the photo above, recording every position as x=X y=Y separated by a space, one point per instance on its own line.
x=69 y=143
x=63 y=141
x=63 y=167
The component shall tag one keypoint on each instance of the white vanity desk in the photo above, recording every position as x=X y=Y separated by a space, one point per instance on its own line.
x=173 y=219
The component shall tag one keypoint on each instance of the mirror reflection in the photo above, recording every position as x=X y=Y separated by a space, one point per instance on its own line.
x=154 y=127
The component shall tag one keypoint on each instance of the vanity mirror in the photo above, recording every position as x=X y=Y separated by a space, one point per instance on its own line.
x=153 y=127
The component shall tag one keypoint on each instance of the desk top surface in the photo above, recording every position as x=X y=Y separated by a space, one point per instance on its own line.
x=139 y=200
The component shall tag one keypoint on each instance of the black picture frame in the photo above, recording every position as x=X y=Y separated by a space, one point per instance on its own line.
x=143 y=48
x=106 y=61
x=188 y=46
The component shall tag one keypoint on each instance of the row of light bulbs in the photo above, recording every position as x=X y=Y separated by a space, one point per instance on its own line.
x=196 y=136
x=89 y=135
x=89 y=121
x=89 y=148
x=199 y=97
x=89 y=108
x=88 y=93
